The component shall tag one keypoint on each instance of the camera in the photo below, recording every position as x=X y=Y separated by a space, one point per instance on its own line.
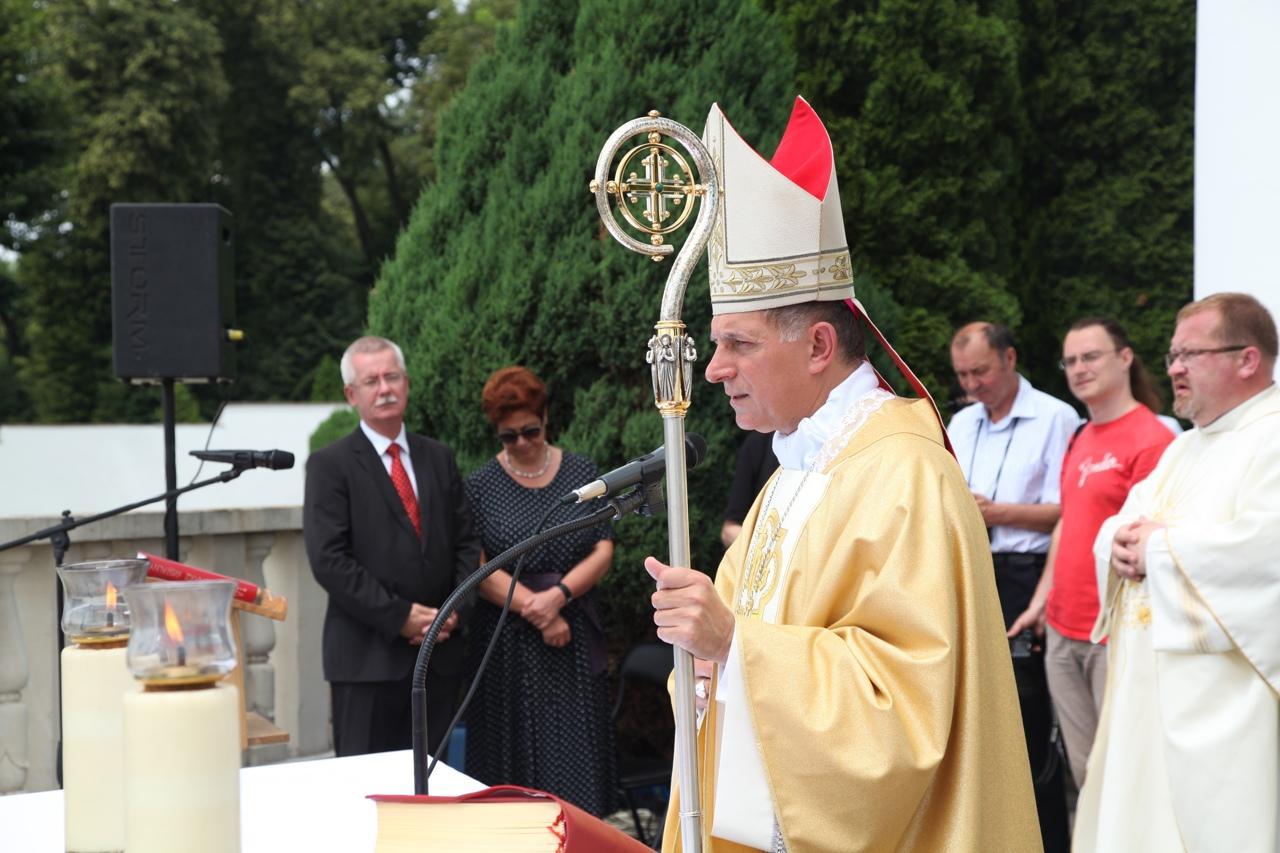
x=1020 y=646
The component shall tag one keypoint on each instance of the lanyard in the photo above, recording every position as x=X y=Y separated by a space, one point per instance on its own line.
x=1003 y=456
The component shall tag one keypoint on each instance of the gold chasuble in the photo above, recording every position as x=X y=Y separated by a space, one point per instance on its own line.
x=875 y=680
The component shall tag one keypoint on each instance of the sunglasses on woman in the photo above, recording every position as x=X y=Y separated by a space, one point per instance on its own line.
x=511 y=436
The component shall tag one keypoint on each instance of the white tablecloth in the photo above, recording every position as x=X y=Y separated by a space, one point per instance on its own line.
x=303 y=805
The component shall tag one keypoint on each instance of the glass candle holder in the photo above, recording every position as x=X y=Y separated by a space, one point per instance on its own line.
x=181 y=632
x=94 y=610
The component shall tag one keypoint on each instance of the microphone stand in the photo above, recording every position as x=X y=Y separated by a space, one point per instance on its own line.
x=57 y=534
x=641 y=500
x=58 y=538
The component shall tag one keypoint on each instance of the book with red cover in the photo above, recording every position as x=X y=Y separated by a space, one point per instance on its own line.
x=561 y=827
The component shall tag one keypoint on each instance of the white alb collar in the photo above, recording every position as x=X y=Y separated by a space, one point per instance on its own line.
x=800 y=448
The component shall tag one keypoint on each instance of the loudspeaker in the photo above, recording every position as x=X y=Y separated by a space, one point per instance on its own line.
x=172 y=292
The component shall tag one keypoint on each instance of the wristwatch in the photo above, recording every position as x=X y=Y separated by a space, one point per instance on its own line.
x=568 y=593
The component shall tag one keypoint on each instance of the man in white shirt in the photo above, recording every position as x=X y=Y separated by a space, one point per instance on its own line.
x=1187 y=755
x=1010 y=445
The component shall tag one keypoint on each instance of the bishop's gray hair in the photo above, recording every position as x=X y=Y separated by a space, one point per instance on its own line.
x=792 y=321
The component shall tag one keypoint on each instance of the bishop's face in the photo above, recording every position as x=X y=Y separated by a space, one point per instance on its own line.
x=763 y=375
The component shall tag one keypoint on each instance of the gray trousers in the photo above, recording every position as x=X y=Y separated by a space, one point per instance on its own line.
x=1077 y=675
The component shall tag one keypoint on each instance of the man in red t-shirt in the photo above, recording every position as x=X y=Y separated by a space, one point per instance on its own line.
x=1117 y=448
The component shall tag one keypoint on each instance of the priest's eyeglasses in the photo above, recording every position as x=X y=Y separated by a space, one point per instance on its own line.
x=1172 y=357
x=511 y=436
x=1086 y=358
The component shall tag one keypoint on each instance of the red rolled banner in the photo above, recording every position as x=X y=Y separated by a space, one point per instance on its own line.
x=171 y=570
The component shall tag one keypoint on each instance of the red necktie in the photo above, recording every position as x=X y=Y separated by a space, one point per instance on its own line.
x=400 y=479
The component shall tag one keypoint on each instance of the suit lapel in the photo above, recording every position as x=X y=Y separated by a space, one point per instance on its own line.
x=368 y=458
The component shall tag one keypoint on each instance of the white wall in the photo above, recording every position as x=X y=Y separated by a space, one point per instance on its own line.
x=1237 y=166
x=91 y=468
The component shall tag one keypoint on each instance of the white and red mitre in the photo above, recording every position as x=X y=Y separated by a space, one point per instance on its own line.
x=779 y=235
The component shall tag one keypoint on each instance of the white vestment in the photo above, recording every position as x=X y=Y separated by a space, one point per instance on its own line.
x=1187 y=755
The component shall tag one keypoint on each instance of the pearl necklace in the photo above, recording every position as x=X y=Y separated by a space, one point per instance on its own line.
x=528 y=475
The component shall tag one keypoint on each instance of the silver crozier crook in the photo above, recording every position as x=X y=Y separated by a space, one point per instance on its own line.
x=655 y=191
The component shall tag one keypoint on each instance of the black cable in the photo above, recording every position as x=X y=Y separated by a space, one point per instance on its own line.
x=493 y=642
x=612 y=510
x=208 y=438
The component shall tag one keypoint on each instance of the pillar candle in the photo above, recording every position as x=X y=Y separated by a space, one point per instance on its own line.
x=182 y=770
x=95 y=680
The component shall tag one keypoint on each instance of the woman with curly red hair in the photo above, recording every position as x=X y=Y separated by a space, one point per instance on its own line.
x=541 y=714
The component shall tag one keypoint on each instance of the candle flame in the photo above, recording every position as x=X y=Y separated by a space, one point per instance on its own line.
x=171 y=625
x=111 y=595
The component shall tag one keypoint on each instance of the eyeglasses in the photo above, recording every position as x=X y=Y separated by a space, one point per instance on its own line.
x=1084 y=358
x=510 y=436
x=391 y=377
x=1172 y=357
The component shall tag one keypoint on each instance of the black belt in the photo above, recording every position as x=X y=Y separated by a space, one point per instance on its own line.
x=1011 y=560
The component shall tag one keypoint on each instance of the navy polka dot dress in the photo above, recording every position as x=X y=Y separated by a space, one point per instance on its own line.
x=540 y=716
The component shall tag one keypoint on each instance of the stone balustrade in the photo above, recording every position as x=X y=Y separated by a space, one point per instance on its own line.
x=284 y=681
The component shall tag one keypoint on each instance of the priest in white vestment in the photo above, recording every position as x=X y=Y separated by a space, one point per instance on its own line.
x=858 y=684
x=1187 y=755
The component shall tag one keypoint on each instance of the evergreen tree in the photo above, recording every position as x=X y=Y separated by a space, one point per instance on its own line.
x=32 y=112
x=32 y=149
x=1028 y=163
x=922 y=103
x=355 y=61
x=144 y=79
x=1107 y=189
x=505 y=261
x=300 y=293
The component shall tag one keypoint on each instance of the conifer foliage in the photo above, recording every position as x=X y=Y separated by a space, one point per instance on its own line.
x=505 y=260
x=1024 y=162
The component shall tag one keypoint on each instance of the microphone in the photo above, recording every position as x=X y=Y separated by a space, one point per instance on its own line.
x=276 y=460
x=646 y=469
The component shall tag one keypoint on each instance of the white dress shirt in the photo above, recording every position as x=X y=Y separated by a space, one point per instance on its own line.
x=1015 y=461
x=381 y=443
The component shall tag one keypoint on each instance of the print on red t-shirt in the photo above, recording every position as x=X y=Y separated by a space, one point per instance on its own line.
x=1102 y=465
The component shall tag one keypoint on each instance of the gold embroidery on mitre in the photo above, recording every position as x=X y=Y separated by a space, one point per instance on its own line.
x=760 y=278
x=764 y=567
x=801 y=277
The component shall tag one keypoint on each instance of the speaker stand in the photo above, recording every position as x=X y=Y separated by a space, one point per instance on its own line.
x=170 y=472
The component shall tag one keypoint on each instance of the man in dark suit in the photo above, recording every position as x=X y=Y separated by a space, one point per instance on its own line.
x=389 y=534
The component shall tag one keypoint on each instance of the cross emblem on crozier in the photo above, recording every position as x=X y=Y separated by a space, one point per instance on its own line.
x=657 y=186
